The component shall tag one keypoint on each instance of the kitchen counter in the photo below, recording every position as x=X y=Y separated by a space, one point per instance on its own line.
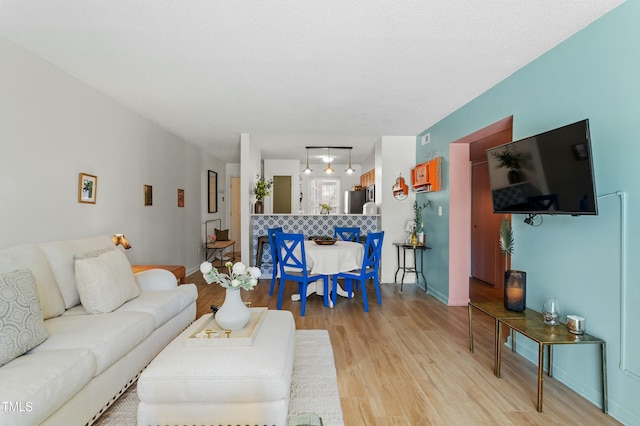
x=308 y=224
x=315 y=214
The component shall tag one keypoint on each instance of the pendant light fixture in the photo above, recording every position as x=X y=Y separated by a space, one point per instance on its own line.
x=328 y=159
x=307 y=169
x=350 y=169
x=329 y=169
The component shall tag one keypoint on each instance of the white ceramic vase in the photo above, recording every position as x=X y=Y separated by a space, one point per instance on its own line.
x=233 y=314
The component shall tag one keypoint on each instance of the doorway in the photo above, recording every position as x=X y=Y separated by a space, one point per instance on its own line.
x=282 y=194
x=487 y=261
x=460 y=209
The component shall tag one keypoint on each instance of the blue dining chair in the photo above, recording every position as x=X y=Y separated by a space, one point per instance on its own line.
x=292 y=262
x=271 y=234
x=347 y=234
x=369 y=269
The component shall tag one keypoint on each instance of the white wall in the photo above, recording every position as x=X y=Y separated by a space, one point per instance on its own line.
x=368 y=164
x=394 y=155
x=250 y=165
x=209 y=162
x=54 y=127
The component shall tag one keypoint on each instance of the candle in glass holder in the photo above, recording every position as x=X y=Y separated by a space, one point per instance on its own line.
x=551 y=311
x=515 y=290
x=514 y=294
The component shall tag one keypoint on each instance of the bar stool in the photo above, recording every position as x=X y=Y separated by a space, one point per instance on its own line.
x=261 y=242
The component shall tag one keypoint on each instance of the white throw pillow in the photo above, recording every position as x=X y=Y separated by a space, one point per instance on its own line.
x=30 y=256
x=105 y=282
x=22 y=327
x=61 y=255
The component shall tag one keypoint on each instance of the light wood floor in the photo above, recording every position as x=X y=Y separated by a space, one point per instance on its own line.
x=407 y=362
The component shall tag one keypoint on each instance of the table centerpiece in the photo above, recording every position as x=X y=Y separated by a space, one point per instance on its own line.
x=233 y=314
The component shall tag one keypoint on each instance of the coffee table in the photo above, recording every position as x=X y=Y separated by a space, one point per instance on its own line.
x=221 y=384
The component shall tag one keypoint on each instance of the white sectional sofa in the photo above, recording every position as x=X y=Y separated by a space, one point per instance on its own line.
x=77 y=328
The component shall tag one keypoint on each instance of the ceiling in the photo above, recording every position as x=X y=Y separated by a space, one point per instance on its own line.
x=293 y=73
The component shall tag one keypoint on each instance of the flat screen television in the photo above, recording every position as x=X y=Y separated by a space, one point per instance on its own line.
x=549 y=173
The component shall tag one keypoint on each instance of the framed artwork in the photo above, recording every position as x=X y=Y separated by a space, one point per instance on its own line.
x=148 y=195
x=87 y=188
x=213 y=191
x=180 y=197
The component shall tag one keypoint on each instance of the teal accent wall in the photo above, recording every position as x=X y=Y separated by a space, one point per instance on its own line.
x=589 y=263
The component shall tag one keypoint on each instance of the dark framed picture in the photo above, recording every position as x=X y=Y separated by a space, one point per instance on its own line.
x=148 y=195
x=180 y=197
x=213 y=191
x=87 y=188
x=580 y=151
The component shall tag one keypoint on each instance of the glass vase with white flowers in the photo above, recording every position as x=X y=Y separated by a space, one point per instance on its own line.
x=234 y=313
x=239 y=276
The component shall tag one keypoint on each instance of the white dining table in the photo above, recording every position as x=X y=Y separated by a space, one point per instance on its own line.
x=343 y=256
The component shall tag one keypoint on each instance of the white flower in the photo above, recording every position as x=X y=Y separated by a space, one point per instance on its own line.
x=238 y=276
x=255 y=272
x=239 y=268
x=206 y=267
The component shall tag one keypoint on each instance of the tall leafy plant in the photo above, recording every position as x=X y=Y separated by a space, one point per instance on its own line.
x=507 y=244
x=417 y=212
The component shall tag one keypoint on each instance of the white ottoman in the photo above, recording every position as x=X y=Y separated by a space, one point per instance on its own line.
x=221 y=385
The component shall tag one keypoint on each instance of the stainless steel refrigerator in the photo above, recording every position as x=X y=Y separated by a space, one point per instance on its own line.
x=353 y=201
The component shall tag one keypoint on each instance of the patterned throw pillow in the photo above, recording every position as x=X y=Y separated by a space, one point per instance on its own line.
x=21 y=324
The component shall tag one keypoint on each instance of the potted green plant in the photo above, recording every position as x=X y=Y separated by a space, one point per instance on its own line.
x=417 y=236
x=325 y=208
x=261 y=189
x=506 y=240
x=515 y=282
x=510 y=160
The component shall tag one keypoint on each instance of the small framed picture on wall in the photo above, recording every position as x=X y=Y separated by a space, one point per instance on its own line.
x=213 y=192
x=148 y=195
x=180 y=197
x=87 y=188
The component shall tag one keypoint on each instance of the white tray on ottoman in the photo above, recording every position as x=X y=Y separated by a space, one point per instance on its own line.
x=218 y=336
x=221 y=384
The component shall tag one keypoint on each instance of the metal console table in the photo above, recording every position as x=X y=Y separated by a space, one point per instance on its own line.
x=547 y=336
x=217 y=249
x=418 y=270
x=497 y=311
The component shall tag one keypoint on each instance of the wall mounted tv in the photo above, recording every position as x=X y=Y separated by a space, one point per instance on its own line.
x=549 y=173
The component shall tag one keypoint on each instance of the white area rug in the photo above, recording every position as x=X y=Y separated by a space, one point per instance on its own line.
x=314 y=386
